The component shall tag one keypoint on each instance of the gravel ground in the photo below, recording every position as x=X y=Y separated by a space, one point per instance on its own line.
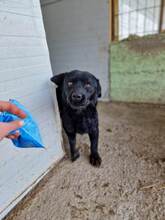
x=129 y=185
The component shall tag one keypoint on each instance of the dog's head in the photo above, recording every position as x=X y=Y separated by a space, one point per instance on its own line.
x=79 y=88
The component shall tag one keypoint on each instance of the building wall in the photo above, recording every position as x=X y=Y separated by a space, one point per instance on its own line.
x=78 y=36
x=24 y=75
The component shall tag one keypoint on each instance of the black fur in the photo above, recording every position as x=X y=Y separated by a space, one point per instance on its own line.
x=77 y=95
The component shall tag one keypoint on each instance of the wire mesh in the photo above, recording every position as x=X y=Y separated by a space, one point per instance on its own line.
x=136 y=17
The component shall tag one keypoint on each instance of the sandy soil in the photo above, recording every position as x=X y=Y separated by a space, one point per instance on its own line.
x=130 y=184
x=152 y=44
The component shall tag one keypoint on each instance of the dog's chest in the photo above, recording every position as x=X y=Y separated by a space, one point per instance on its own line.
x=82 y=124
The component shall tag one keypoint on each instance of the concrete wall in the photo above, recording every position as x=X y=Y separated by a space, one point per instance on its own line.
x=77 y=34
x=24 y=75
x=138 y=70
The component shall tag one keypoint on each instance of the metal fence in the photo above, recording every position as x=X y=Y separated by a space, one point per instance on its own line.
x=136 y=17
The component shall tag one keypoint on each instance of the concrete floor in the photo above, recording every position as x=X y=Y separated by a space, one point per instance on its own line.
x=130 y=184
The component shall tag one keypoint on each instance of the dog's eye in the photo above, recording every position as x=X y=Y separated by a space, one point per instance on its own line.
x=70 y=84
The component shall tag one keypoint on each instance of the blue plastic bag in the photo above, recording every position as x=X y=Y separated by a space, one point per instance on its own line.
x=29 y=133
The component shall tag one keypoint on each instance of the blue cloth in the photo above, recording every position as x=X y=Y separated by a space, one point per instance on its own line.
x=29 y=133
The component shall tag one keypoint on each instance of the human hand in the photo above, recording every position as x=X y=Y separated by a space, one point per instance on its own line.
x=6 y=128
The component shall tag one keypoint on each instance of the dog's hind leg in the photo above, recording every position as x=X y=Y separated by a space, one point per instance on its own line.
x=72 y=142
x=95 y=158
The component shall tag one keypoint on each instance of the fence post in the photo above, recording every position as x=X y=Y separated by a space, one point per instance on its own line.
x=161 y=15
x=114 y=20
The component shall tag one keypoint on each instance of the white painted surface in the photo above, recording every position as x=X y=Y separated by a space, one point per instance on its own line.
x=77 y=33
x=24 y=75
x=141 y=22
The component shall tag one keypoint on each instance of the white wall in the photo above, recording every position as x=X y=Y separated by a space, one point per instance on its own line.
x=24 y=75
x=135 y=20
x=77 y=34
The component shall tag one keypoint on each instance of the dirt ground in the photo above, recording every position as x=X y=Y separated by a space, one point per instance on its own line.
x=129 y=185
x=151 y=44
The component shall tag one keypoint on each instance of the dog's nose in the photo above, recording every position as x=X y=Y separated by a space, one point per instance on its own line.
x=77 y=97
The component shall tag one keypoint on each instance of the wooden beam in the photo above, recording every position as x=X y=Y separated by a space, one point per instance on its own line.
x=110 y=19
x=161 y=15
x=114 y=20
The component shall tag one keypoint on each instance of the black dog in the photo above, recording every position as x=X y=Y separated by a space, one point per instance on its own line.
x=77 y=95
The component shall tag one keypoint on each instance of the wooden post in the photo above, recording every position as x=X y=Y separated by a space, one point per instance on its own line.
x=114 y=20
x=161 y=15
x=110 y=19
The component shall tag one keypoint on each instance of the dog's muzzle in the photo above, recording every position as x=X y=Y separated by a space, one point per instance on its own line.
x=77 y=101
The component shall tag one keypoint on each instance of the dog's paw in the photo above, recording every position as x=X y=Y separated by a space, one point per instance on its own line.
x=75 y=156
x=95 y=159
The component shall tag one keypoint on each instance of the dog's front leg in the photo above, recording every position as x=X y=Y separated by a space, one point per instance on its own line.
x=72 y=142
x=95 y=158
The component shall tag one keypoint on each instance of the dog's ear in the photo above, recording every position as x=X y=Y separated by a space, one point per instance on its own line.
x=98 y=88
x=58 y=79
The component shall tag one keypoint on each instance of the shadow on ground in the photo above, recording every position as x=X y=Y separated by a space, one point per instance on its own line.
x=130 y=185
